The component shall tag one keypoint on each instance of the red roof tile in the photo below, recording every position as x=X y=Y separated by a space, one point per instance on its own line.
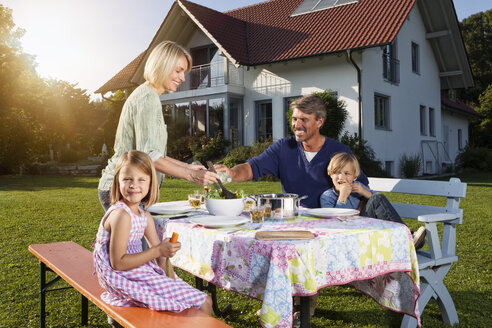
x=459 y=106
x=228 y=31
x=265 y=32
x=274 y=36
x=122 y=79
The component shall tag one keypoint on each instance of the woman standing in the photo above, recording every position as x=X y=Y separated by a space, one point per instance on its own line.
x=142 y=127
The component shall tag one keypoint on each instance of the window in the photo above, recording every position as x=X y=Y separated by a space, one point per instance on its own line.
x=263 y=120
x=423 y=121
x=381 y=111
x=391 y=65
x=460 y=139
x=415 y=58
x=432 y=122
x=236 y=121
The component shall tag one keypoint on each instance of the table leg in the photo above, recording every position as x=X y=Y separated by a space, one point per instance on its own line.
x=212 y=289
x=305 y=312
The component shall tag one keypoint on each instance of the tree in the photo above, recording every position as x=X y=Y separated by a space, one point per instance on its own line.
x=482 y=133
x=477 y=36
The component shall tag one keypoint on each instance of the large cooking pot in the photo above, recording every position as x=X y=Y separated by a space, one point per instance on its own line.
x=283 y=205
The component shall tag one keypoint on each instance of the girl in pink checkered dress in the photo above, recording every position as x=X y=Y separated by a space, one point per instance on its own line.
x=128 y=273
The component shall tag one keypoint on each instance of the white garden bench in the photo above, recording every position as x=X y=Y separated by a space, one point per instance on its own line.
x=435 y=263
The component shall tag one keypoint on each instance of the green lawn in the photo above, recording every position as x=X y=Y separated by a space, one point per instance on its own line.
x=41 y=209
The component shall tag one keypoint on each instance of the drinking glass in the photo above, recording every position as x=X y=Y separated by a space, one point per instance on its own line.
x=257 y=213
x=201 y=195
x=194 y=200
x=268 y=210
x=248 y=204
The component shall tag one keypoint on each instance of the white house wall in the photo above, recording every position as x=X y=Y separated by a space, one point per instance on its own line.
x=452 y=122
x=414 y=90
x=294 y=78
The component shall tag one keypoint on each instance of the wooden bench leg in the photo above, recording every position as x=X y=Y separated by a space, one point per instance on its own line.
x=446 y=305
x=212 y=289
x=305 y=312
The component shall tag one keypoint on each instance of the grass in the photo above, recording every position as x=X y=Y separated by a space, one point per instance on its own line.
x=41 y=209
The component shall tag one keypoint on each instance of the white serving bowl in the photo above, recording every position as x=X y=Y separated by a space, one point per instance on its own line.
x=229 y=207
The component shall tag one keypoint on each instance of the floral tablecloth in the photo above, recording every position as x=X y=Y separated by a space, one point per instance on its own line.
x=377 y=257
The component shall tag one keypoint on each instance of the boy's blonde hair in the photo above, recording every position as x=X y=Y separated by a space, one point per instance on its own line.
x=143 y=162
x=339 y=160
x=162 y=61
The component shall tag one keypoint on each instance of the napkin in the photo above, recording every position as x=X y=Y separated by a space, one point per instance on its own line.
x=284 y=235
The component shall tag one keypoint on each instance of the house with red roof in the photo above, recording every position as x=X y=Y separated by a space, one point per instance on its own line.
x=395 y=64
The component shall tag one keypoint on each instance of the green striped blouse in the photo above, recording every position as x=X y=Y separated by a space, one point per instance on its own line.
x=141 y=127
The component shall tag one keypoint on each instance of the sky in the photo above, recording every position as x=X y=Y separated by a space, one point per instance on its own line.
x=89 y=41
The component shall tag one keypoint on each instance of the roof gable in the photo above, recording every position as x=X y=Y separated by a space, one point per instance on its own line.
x=273 y=35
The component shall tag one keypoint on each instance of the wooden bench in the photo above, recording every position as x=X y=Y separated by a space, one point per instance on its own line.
x=435 y=263
x=74 y=264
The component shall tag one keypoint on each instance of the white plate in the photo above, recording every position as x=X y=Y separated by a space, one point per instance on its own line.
x=217 y=221
x=170 y=208
x=331 y=212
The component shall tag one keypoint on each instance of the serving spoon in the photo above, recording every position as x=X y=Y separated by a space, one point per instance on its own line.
x=225 y=192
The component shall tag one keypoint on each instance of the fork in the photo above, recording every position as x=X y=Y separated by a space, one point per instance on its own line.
x=245 y=228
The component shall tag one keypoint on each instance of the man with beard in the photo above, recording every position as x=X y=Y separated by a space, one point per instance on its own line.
x=299 y=161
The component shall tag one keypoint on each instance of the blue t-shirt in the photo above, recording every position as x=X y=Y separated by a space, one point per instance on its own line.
x=285 y=159
x=329 y=198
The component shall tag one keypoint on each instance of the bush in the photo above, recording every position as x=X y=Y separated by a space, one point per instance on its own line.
x=410 y=165
x=475 y=157
x=70 y=156
x=180 y=148
x=237 y=156
x=241 y=154
x=208 y=148
x=365 y=155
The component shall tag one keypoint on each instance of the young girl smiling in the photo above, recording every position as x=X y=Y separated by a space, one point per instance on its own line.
x=128 y=273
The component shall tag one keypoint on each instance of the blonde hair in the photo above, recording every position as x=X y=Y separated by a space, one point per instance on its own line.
x=143 y=162
x=339 y=160
x=162 y=60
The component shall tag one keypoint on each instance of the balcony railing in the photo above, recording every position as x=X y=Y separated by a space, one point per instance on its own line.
x=212 y=75
x=391 y=69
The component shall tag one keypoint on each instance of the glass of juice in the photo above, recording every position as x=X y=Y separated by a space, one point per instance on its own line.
x=257 y=213
x=194 y=200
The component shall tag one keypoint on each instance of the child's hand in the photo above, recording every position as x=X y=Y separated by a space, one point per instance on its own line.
x=169 y=249
x=344 y=192
x=357 y=187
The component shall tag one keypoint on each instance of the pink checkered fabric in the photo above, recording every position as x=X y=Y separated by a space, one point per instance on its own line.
x=145 y=286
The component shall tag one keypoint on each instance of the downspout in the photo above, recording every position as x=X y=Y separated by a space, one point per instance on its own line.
x=359 y=88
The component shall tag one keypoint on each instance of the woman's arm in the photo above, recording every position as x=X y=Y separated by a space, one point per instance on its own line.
x=192 y=173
